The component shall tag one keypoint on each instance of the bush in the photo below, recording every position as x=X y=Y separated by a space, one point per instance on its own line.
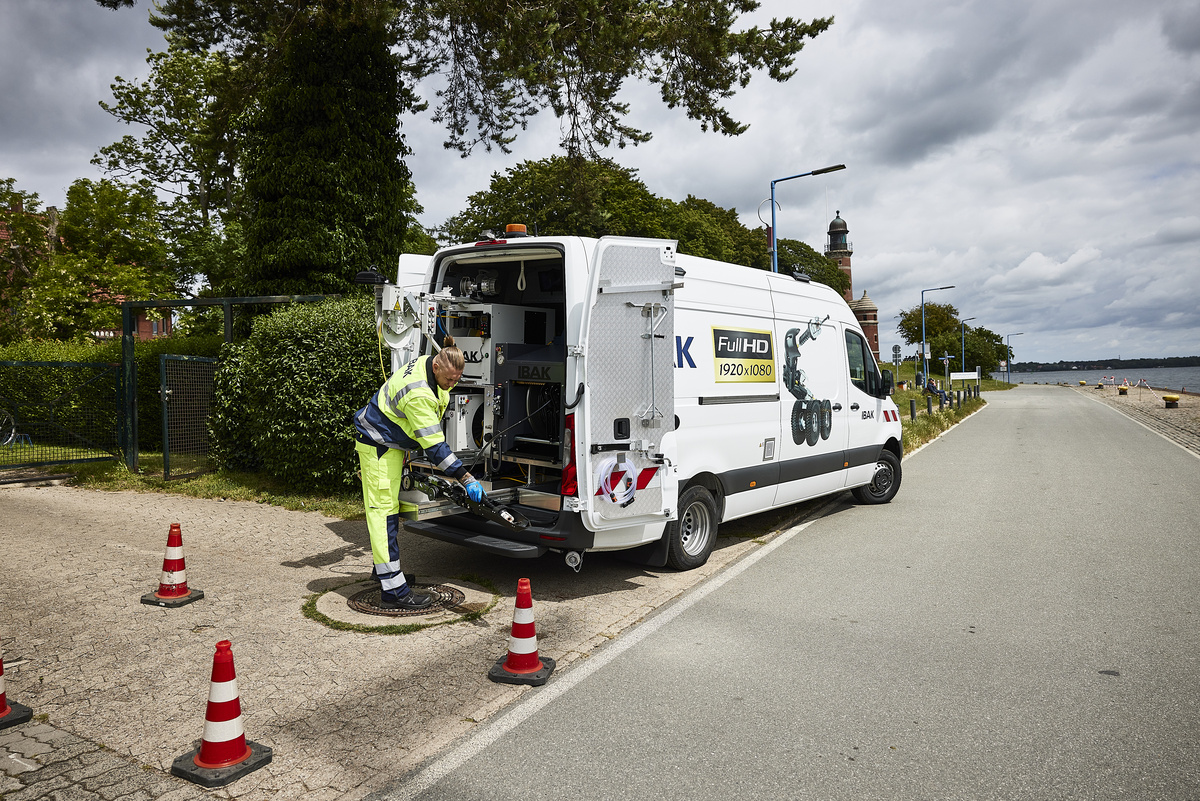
x=286 y=396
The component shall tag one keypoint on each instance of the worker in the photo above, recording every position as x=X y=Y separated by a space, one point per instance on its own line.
x=405 y=415
x=932 y=389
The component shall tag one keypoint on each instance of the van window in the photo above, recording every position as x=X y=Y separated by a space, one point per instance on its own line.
x=863 y=372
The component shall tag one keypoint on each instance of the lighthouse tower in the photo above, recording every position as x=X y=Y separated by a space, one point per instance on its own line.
x=839 y=248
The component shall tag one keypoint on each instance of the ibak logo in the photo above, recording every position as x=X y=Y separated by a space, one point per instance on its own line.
x=531 y=372
x=868 y=415
x=682 y=356
x=472 y=356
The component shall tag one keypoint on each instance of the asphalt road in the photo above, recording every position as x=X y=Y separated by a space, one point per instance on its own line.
x=1022 y=622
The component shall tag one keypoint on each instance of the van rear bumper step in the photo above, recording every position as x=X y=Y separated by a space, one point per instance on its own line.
x=482 y=542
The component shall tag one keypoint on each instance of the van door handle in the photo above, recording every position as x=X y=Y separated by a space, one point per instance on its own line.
x=854 y=407
x=837 y=407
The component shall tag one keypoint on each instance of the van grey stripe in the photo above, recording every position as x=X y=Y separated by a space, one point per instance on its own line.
x=716 y=400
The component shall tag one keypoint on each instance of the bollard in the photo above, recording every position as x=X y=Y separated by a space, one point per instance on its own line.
x=912 y=408
x=941 y=402
x=928 y=404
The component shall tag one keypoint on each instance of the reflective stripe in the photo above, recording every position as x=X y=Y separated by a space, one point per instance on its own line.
x=387 y=567
x=427 y=431
x=178 y=577
x=222 y=731
x=522 y=645
x=174 y=552
x=221 y=691
x=522 y=615
x=395 y=582
x=449 y=460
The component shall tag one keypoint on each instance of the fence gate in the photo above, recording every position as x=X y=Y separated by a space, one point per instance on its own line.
x=58 y=412
x=186 y=387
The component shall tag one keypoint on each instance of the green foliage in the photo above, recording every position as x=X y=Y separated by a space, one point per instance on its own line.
x=327 y=189
x=188 y=149
x=285 y=397
x=561 y=196
x=501 y=63
x=707 y=230
x=111 y=251
x=146 y=361
x=795 y=255
x=25 y=251
x=940 y=318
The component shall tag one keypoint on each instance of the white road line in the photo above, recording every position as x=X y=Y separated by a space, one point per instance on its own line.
x=443 y=766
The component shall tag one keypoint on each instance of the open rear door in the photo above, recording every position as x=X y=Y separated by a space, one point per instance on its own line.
x=628 y=405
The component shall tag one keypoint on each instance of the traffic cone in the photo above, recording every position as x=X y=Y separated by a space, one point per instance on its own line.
x=224 y=753
x=172 y=588
x=522 y=665
x=11 y=713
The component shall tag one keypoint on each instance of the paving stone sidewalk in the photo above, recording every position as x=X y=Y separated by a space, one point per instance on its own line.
x=118 y=688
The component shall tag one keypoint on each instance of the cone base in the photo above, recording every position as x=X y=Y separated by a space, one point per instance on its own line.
x=537 y=679
x=153 y=599
x=17 y=714
x=185 y=767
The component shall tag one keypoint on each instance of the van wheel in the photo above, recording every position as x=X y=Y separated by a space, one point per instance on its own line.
x=885 y=483
x=691 y=538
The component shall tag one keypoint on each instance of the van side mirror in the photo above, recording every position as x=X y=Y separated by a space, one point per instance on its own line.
x=889 y=384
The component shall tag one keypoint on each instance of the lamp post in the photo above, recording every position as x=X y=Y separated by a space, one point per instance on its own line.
x=964 y=345
x=774 y=239
x=1008 y=356
x=924 y=344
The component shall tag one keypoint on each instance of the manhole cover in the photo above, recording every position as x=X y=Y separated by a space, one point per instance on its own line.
x=444 y=597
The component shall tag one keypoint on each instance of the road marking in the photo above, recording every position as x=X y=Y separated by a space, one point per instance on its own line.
x=427 y=777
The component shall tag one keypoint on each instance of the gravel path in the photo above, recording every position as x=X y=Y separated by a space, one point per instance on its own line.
x=1181 y=425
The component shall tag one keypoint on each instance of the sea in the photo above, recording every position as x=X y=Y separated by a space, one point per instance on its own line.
x=1180 y=378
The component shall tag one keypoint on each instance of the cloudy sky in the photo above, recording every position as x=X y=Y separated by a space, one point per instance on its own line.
x=1043 y=157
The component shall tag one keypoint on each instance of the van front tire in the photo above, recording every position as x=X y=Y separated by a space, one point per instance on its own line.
x=884 y=484
x=691 y=538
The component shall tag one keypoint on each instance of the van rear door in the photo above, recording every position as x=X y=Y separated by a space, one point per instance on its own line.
x=628 y=404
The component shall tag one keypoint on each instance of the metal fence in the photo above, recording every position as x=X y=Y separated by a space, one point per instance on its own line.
x=187 y=389
x=58 y=412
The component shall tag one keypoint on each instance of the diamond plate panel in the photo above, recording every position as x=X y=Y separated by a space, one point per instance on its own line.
x=628 y=373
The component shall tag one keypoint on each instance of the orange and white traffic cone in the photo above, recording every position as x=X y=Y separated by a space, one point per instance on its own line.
x=11 y=713
x=172 y=587
x=522 y=665
x=224 y=753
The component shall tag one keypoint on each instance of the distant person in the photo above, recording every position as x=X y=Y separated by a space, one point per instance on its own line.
x=933 y=390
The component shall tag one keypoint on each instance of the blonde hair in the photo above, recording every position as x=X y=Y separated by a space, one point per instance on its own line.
x=450 y=355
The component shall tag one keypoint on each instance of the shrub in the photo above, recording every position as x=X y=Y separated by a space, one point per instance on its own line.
x=285 y=397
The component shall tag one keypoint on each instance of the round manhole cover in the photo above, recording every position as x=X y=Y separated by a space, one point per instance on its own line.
x=444 y=598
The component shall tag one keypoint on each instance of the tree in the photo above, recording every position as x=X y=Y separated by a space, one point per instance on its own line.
x=940 y=318
x=112 y=250
x=188 y=150
x=24 y=248
x=705 y=229
x=796 y=256
x=561 y=196
x=328 y=192
x=501 y=63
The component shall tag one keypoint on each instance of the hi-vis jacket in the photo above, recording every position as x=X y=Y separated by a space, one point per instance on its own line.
x=406 y=414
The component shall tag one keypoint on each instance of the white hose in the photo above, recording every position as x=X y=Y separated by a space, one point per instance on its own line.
x=626 y=487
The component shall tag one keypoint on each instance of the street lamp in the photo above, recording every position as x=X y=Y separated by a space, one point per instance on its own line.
x=1008 y=356
x=964 y=345
x=774 y=239
x=924 y=344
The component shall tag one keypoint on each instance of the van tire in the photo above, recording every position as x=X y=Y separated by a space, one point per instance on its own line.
x=691 y=538
x=884 y=484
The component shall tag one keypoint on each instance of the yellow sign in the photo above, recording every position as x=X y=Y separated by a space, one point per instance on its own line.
x=743 y=356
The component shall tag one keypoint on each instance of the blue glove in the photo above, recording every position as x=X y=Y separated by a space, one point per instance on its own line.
x=474 y=491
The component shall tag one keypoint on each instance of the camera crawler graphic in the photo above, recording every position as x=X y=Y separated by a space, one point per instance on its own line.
x=812 y=419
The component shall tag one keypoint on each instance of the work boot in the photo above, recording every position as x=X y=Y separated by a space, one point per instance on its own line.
x=411 y=602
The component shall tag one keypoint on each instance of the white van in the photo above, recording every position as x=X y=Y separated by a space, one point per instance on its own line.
x=620 y=395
